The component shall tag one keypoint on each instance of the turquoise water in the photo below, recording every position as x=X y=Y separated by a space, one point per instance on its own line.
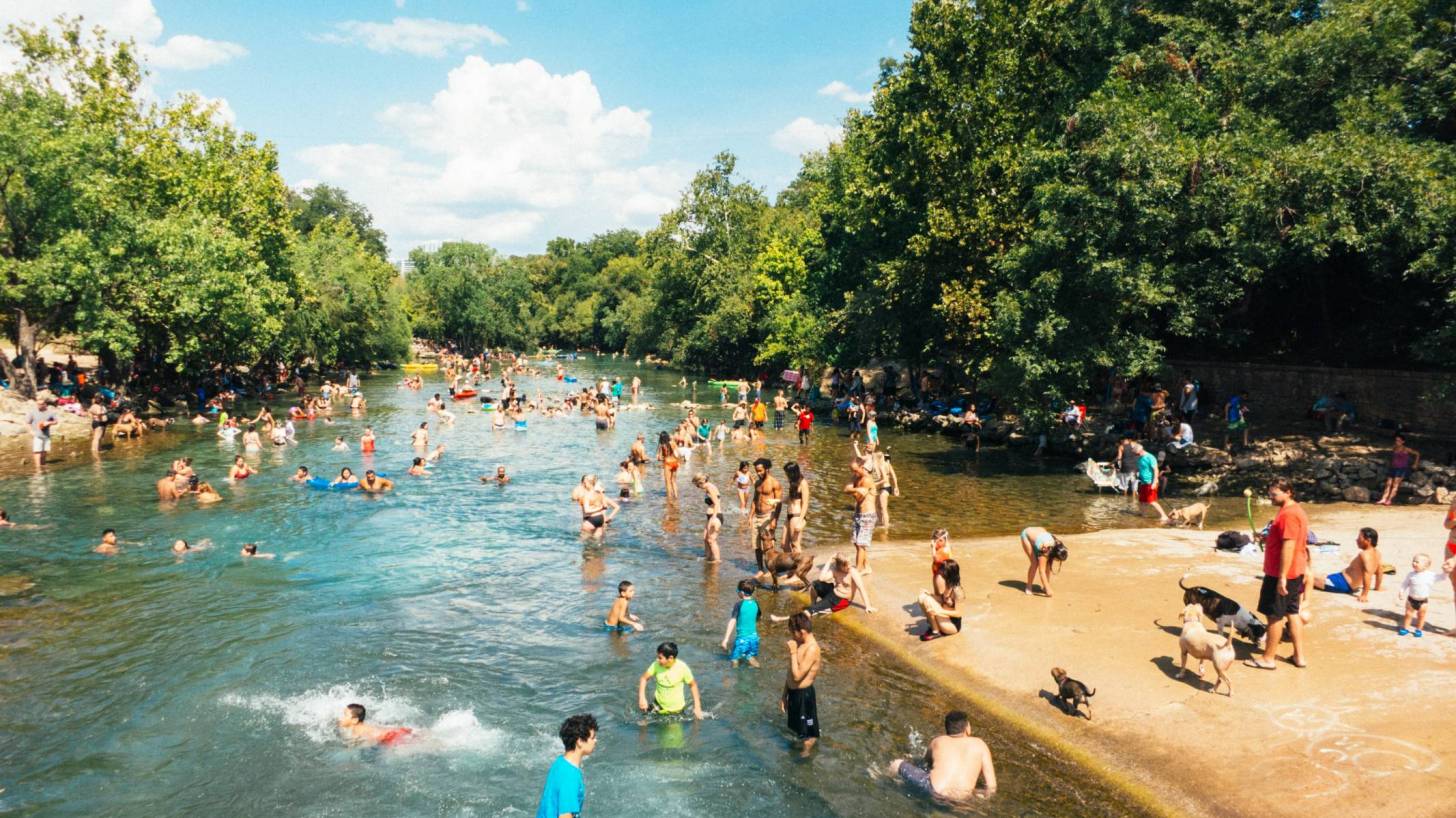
x=147 y=684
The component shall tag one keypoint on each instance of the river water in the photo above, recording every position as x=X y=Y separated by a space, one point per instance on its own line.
x=146 y=684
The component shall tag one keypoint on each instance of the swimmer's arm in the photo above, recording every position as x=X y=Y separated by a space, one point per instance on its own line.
x=728 y=634
x=988 y=770
x=697 y=700
x=642 y=690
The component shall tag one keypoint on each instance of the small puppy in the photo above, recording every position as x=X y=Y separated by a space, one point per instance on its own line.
x=1225 y=612
x=1072 y=693
x=1189 y=515
x=1204 y=646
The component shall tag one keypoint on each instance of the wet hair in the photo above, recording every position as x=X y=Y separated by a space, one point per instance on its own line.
x=956 y=722
x=185 y=545
x=667 y=650
x=345 y=469
x=950 y=571
x=106 y=531
x=577 y=729
x=419 y=461
x=663 y=438
x=792 y=470
x=425 y=424
x=1283 y=484
x=746 y=587
x=1370 y=534
x=4 y=515
x=303 y=469
x=250 y=548
x=356 y=710
x=800 y=622
x=765 y=462
x=623 y=586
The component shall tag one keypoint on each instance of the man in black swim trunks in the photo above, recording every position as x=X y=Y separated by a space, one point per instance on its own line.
x=798 y=702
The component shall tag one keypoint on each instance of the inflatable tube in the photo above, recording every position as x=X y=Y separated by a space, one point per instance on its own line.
x=420 y=367
x=571 y=379
x=325 y=484
x=464 y=394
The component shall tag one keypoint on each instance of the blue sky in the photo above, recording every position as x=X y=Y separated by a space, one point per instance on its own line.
x=511 y=122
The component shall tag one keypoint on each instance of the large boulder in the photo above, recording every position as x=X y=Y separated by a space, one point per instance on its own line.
x=1356 y=494
x=1199 y=458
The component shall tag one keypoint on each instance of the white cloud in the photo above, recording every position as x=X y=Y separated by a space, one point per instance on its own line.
x=124 y=19
x=188 y=52
x=420 y=36
x=522 y=6
x=804 y=135
x=501 y=152
x=221 y=110
x=842 y=91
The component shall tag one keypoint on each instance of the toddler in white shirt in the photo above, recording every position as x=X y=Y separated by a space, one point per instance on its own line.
x=1416 y=590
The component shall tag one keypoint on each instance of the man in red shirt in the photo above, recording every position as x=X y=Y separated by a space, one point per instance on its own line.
x=806 y=422
x=1286 y=554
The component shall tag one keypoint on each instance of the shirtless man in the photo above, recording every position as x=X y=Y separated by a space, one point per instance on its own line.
x=837 y=586
x=500 y=478
x=374 y=484
x=108 y=543
x=798 y=702
x=638 y=458
x=636 y=389
x=954 y=763
x=167 y=487
x=863 y=491
x=420 y=438
x=781 y=405
x=352 y=725
x=767 y=497
x=1362 y=573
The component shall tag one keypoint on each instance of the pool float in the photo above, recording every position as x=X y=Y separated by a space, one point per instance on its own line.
x=420 y=367
x=571 y=379
x=324 y=484
x=464 y=394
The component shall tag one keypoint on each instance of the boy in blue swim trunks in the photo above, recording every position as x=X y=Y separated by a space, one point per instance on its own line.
x=620 y=619
x=744 y=619
x=1362 y=575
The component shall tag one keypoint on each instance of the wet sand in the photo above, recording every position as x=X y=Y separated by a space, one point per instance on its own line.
x=1364 y=730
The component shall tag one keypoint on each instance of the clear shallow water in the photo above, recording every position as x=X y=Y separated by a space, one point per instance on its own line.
x=146 y=684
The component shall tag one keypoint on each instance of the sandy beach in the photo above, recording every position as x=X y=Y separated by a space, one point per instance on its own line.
x=1362 y=731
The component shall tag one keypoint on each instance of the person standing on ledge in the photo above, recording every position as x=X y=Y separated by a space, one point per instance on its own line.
x=798 y=703
x=564 y=795
x=1286 y=554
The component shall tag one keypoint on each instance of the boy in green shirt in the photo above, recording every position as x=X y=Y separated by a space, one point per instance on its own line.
x=669 y=676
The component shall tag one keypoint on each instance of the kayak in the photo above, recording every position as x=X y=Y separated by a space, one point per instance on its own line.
x=464 y=394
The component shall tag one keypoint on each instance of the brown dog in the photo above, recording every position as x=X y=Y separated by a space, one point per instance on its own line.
x=1072 y=693
x=1189 y=515
x=776 y=562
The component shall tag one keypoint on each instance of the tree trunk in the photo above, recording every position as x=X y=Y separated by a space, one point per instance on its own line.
x=22 y=378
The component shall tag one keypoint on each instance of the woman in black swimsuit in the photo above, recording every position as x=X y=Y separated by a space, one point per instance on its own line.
x=796 y=500
x=97 y=413
x=594 y=504
x=942 y=605
x=715 y=517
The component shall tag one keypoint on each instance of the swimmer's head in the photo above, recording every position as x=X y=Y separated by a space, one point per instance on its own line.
x=238 y=461
x=353 y=714
x=303 y=471
x=667 y=654
x=250 y=549
x=346 y=473
x=180 y=546
x=746 y=587
x=956 y=722
x=338 y=438
x=109 y=536
x=1420 y=562
x=419 y=461
x=500 y=471
x=625 y=589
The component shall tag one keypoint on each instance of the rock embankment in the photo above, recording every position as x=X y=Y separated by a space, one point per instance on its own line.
x=13 y=409
x=1335 y=467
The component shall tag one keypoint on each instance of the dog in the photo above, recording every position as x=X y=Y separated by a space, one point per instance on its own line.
x=1195 y=640
x=1225 y=612
x=775 y=562
x=1189 y=515
x=1072 y=693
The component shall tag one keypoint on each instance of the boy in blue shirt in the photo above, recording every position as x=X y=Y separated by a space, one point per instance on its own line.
x=745 y=620
x=565 y=790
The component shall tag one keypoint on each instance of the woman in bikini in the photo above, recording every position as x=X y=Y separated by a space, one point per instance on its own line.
x=97 y=412
x=594 y=504
x=942 y=604
x=715 y=516
x=241 y=470
x=1041 y=549
x=668 y=457
x=743 y=481
x=797 y=503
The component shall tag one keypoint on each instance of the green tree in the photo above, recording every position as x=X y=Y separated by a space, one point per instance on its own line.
x=312 y=206
x=350 y=309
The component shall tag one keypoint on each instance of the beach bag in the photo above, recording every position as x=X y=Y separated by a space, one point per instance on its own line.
x=1232 y=541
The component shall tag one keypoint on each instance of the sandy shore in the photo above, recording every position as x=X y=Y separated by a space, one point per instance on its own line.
x=1364 y=730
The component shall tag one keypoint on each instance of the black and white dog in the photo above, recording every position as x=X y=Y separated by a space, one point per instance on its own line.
x=1225 y=612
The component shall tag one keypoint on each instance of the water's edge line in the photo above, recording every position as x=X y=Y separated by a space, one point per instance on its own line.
x=1115 y=777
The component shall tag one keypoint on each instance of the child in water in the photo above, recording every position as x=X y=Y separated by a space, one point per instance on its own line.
x=352 y=725
x=620 y=618
x=1416 y=591
x=340 y=445
x=744 y=620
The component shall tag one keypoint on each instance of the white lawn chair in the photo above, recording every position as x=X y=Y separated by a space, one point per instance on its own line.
x=1101 y=474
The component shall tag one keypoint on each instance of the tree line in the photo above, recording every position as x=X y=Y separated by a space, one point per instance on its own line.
x=1037 y=194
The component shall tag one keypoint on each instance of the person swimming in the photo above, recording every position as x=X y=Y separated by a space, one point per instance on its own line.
x=346 y=476
x=251 y=550
x=353 y=726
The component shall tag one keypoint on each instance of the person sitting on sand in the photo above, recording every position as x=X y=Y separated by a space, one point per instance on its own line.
x=353 y=726
x=838 y=583
x=954 y=763
x=374 y=484
x=942 y=606
x=1042 y=548
x=1363 y=572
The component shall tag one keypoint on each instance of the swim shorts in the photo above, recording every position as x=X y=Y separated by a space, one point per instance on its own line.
x=828 y=601
x=864 y=528
x=1401 y=473
x=1147 y=493
x=1274 y=606
x=803 y=712
x=1336 y=583
x=744 y=647
x=397 y=736
x=916 y=776
x=617 y=628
